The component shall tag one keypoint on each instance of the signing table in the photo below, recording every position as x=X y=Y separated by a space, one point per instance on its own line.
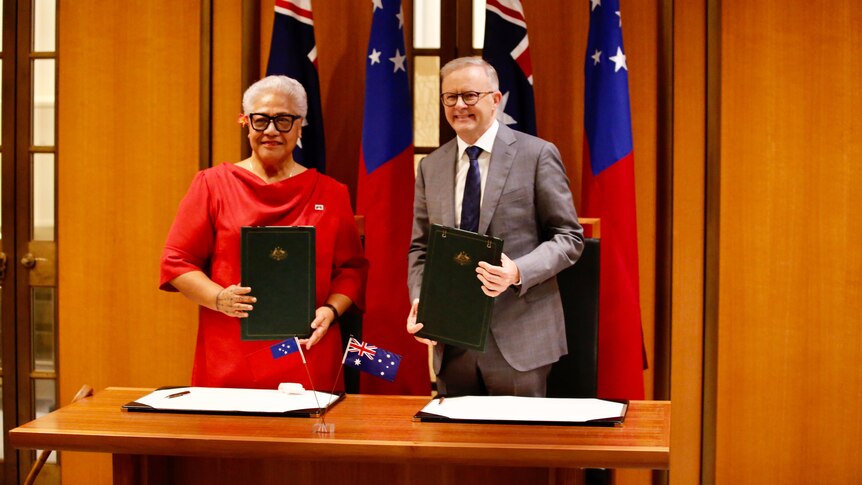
x=375 y=438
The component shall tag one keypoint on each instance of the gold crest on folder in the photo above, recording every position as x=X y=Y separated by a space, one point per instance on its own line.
x=278 y=254
x=462 y=258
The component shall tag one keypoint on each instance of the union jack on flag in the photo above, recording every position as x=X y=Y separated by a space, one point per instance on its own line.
x=378 y=362
x=361 y=348
x=507 y=48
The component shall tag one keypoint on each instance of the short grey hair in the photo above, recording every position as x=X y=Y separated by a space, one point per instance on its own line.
x=277 y=84
x=462 y=62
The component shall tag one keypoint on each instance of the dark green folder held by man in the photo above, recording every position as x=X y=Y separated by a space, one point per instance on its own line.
x=452 y=307
x=278 y=264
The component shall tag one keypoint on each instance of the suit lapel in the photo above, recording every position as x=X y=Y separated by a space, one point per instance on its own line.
x=448 y=157
x=502 y=158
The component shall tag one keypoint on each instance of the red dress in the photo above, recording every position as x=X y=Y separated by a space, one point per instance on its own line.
x=205 y=236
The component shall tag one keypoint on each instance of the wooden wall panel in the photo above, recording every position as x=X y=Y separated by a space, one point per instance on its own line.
x=128 y=147
x=790 y=342
x=558 y=43
x=689 y=151
x=227 y=89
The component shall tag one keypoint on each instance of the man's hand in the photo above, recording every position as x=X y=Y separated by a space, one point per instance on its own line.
x=413 y=327
x=497 y=279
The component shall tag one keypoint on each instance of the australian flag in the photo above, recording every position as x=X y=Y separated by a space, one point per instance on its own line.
x=293 y=53
x=609 y=194
x=507 y=48
x=283 y=348
x=373 y=360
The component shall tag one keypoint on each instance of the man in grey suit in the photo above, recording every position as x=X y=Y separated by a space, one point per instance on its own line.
x=513 y=186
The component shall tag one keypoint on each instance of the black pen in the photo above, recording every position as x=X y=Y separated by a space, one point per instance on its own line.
x=178 y=394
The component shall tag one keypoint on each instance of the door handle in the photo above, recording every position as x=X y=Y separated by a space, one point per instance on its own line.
x=41 y=263
x=29 y=261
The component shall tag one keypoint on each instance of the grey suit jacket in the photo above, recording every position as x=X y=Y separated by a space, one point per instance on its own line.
x=527 y=203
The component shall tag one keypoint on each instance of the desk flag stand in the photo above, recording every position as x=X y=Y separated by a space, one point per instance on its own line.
x=321 y=426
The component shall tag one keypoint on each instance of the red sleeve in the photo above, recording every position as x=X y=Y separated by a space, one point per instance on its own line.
x=350 y=267
x=192 y=236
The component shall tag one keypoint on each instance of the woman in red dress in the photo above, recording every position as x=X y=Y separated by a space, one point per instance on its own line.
x=201 y=258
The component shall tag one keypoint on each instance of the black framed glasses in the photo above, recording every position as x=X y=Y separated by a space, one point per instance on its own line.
x=283 y=123
x=470 y=98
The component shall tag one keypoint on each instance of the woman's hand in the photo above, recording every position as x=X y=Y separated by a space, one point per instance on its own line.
x=413 y=327
x=235 y=301
x=323 y=318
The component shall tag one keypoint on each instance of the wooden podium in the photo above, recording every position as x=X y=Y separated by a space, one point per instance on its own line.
x=375 y=438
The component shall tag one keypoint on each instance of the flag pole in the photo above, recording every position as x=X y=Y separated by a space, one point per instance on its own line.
x=320 y=427
x=337 y=376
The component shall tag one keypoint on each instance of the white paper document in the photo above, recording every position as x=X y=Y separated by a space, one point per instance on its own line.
x=218 y=399
x=525 y=409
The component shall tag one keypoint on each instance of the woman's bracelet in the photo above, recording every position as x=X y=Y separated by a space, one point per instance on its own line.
x=334 y=311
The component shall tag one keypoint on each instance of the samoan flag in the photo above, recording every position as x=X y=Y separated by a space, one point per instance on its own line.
x=385 y=198
x=283 y=348
x=371 y=359
x=609 y=194
x=507 y=48
x=293 y=53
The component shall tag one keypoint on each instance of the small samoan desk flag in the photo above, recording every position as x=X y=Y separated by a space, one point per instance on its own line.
x=283 y=348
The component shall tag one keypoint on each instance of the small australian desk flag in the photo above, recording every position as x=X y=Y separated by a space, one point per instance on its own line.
x=373 y=360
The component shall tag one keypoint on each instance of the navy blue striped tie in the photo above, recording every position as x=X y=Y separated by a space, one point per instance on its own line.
x=472 y=192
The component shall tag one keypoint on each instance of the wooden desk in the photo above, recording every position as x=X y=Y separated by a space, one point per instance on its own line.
x=374 y=436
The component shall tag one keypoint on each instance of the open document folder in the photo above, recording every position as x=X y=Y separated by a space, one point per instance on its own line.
x=524 y=410
x=218 y=400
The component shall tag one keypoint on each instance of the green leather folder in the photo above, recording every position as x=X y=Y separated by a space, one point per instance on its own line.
x=278 y=265
x=452 y=307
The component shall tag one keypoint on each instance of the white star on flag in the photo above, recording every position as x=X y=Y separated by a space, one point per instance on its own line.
x=398 y=60
x=400 y=16
x=620 y=16
x=595 y=3
x=375 y=56
x=357 y=362
x=377 y=4
x=619 y=60
x=502 y=116
x=597 y=57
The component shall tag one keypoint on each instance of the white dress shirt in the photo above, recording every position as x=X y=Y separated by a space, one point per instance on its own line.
x=486 y=143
